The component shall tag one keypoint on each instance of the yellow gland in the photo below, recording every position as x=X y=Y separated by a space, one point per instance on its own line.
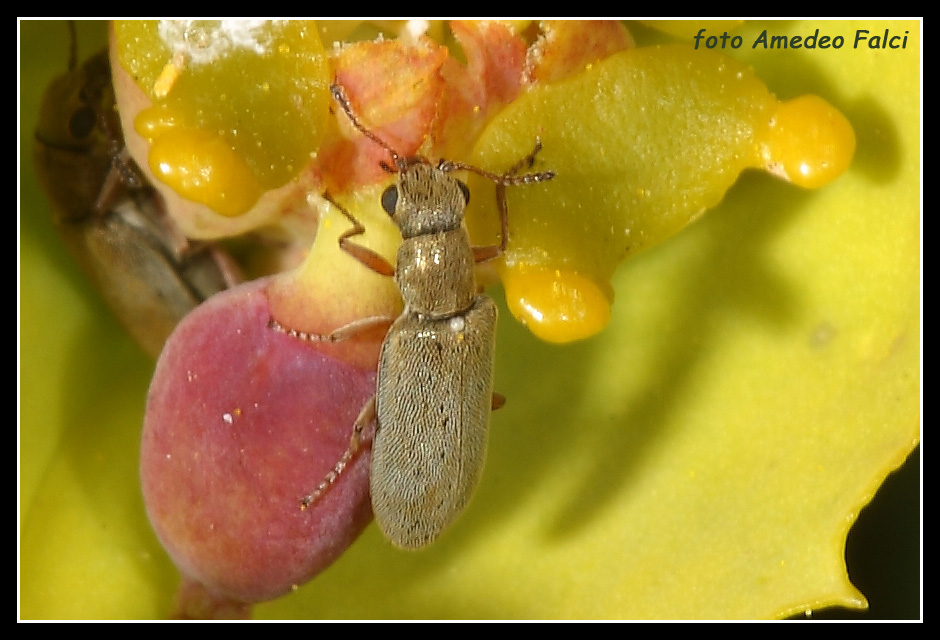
x=556 y=305
x=642 y=143
x=202 y=167
x=253 y=89
x=807 y=142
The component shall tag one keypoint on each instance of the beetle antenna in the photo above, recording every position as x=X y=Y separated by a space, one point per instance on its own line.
x=511 y=177
x=73 y=45
x=340 y=96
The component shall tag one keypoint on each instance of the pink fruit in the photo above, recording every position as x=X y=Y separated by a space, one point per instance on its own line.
x=242 y=422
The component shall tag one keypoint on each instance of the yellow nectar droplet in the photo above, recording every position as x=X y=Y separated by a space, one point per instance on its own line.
x=556 y=305
x=202 y=167
x=809 y=142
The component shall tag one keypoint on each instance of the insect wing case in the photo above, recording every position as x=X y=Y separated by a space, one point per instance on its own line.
x=434 y=401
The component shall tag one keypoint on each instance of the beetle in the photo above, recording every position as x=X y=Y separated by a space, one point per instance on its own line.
x=434 y=388
x=111 y=219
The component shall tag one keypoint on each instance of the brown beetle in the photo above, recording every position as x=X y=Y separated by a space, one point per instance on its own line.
x=111 y=219
x=435 y=377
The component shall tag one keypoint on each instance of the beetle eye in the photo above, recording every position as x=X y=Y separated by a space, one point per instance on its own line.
x=466 y=192
x=390 y=199
x=82 y=122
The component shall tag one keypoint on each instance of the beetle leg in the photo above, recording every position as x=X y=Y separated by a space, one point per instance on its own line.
x=347 y=331
x=510 y=178
x=231 y=272
x=366 y=256
x=527 y=161
x=491 y=251
x=366 y=416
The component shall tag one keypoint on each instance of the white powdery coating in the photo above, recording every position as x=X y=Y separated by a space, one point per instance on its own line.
x=205 y=41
